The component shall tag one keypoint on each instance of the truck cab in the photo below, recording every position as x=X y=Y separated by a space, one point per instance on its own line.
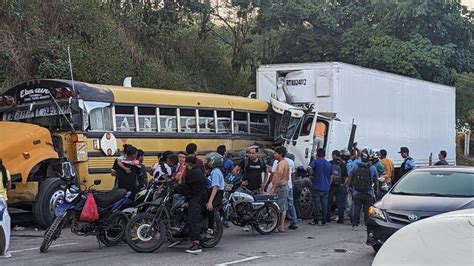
x=295 y=129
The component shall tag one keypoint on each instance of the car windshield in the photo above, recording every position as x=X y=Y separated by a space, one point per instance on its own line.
x=436 y=183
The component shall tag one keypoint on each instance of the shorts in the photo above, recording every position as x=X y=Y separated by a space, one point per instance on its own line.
x=282 y=197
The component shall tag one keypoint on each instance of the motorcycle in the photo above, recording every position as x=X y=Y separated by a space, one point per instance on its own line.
x=166 y=219
x=151 y=193
x=109 y=229
x=242 y=208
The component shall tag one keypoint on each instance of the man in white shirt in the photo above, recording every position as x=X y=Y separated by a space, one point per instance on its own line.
x=291 y=207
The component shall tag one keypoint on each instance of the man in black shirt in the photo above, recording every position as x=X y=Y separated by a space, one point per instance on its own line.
x=337 y=189
x=128 y=181
x=195 y=190
x=253 y=168
x=442 y=158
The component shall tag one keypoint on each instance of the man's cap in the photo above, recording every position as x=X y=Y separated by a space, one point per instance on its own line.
x=404 y=149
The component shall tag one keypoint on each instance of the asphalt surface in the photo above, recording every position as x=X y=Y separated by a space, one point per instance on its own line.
x=333 y=244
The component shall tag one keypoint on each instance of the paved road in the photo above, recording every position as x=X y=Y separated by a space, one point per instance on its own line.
x=309 y=245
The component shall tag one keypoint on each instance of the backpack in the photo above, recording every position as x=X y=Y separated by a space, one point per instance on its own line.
x=336 y=174
x=361 y=180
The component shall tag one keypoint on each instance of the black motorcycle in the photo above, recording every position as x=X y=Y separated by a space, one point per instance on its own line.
x=151 y=193
x=166 y=219
x=109 y=228
x=261 y=212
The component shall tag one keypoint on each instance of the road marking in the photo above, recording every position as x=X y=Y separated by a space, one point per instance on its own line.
x=239 y=261
x=53 y=246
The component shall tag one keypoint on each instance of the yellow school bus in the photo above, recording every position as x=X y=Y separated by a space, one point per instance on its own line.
x=45 y=122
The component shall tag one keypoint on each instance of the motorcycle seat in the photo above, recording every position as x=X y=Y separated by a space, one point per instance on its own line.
x=265 y=197
x=108 y=198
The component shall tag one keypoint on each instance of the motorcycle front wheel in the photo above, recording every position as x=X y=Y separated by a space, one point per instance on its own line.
x=53 y=232
x=114 y=231
x=211 y=241
x=267 y=218
x=144 y=236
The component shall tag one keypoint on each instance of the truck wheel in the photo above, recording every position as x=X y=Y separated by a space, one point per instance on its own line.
x=303 y=202
x=49 y=195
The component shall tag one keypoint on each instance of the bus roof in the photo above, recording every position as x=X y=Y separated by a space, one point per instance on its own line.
x=182 y=98
x=135 y=95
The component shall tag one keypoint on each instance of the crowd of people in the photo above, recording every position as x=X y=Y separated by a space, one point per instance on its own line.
x=352 y=181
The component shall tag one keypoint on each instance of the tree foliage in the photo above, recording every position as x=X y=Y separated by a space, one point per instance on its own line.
x=188 y=45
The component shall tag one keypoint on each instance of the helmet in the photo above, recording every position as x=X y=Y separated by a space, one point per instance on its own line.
x=214 y=160
x=375 y=154
x=366 y=154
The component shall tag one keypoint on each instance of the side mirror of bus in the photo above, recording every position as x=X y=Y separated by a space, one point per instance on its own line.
x=97 y=182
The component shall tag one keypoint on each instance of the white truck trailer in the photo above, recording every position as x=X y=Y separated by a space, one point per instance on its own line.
x=390 y=110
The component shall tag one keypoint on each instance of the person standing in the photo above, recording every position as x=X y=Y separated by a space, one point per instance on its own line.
x=321 y=170
x=442 y=158
x=337 y=188
x=319 y=136
x=214 y=163
x=388 y=166
x=142 y=171
x=361 y=181
x=5 y=184
x=180 y=168
x=191 y=149
x=291 y=207
x=252 y=169
x=128 y=180
x=280 y=184
x=228 y=164
x=407 y=165
x=195 y=190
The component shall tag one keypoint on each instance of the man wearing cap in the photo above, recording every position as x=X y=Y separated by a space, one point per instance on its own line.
x=407 y=165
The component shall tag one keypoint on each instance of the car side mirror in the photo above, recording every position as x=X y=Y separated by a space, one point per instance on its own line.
x=97 y=182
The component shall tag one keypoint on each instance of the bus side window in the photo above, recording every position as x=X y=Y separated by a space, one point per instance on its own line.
x=147 y=119
x=206 y=121
x=168 y=120
x=240 y=123
x=188 y=120
x=101 y=119
x=125 y=118
x=224 y=122
x=259 y=124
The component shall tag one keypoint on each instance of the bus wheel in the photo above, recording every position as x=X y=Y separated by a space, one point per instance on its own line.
x=49 y=195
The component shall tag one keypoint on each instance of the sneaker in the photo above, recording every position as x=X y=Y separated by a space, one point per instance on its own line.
x=247 y=228
x=293 y=227
x=355 y=228
x=195 y=248
x=7 y=255
x=313 y=222
x=174 y=243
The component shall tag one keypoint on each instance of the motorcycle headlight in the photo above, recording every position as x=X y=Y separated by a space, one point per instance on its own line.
x=376 y=213
x=70 y=195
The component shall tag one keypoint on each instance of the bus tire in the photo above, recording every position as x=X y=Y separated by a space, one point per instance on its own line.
x=49 y=193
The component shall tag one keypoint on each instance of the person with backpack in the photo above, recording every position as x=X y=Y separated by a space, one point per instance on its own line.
x=361 y=181
x=337 y=189
x=253 y=170
x=321 y=171
x=5 y=184
x=228 y=164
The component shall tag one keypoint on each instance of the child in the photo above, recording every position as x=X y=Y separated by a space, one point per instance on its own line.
x=122 y=158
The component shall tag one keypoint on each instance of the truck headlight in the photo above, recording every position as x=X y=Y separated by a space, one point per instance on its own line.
x=376 y=213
